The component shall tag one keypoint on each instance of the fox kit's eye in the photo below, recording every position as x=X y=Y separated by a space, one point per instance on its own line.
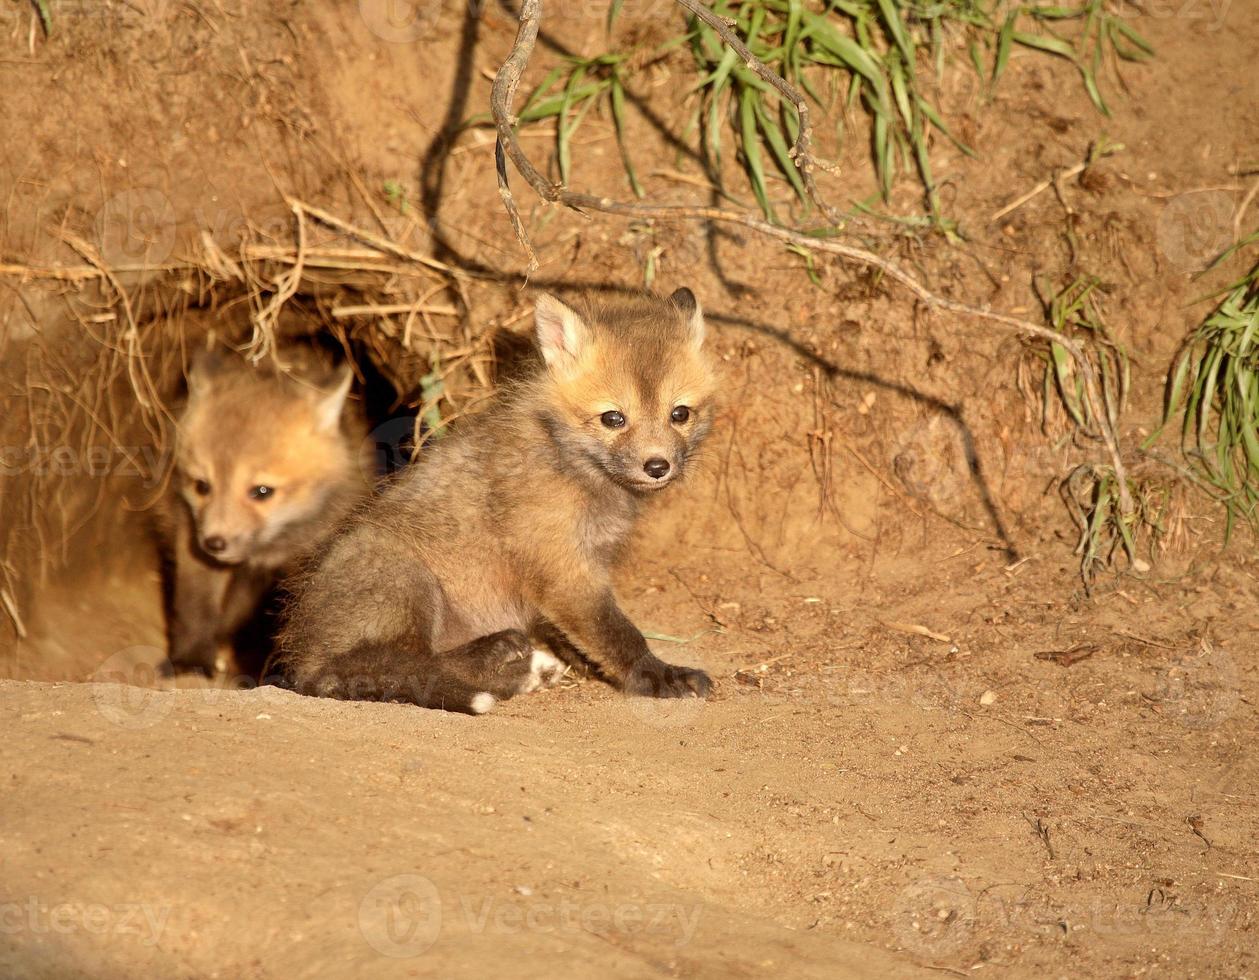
x=202 y=487
x=613 y=419
x=262 y=492
x=680 y=414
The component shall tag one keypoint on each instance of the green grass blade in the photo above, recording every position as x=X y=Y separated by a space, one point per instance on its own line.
x=1053 y=45
x=45 y=16
x=976 y=59
x=1090 y=84
x=900 y=92
x=536 y=95
x=1176 y=391
x=896 y=27
x=1067 y=384
x=933 y=117
x=563 y=128
x=778 y=147
x=613 y=9
x=1141 y=49
x=1005 y=41
x=1207 y=392
x=752 y=149
x=1056 y=13
x=883 y=154
x=810 y=266
x=849 y=52
x=617 y=97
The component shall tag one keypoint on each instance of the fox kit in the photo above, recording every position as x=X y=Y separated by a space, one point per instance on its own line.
x=507 y=530
x=264 y=469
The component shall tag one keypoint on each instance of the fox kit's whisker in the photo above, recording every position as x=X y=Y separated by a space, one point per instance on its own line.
x=508 y=529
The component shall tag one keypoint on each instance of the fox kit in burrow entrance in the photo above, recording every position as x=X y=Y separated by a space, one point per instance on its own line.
x=266 y=465
x=506 y=531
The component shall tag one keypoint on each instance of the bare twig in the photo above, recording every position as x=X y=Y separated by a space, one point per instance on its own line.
x=375 y=241
x=501 y=97
x=6 y=600
x=509 y=203
x=1195 y=824
x=137 y=369
x=82 y=273
x=508 y=78
x=1240 y=214
x=385 y=309
x=266 y=317
x=504 y=92
x=1044 y=185
x=1041 y=829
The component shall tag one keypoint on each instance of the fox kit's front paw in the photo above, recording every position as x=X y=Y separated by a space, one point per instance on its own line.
x=657 y=679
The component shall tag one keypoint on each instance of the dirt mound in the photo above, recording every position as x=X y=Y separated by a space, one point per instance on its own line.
x=405 y=841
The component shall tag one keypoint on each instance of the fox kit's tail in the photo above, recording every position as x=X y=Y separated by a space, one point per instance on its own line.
x=468 y=679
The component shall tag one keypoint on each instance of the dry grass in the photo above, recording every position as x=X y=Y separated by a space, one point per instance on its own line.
x=103 y=408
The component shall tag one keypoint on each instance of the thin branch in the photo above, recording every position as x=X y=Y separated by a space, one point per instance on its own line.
x=1241 y=210
x=1044 y=185
x=505 y=84
x=375 y=241
x=801 y=153
x=513 y=212
x=504 y=93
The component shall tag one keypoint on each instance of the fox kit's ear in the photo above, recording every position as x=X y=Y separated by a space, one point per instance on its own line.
x=204 y=368
x=562 y=336
x=688 y=306
x=331 y=399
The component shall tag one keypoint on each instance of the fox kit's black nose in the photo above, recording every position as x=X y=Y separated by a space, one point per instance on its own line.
x=656 y=468
x=215 y=544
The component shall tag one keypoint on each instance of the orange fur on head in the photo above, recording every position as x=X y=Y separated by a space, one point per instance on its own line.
x=245 y=429
x=617 y=373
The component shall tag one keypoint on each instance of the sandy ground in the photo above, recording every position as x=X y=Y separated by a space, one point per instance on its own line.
x=1037 y=791
x=393 y=842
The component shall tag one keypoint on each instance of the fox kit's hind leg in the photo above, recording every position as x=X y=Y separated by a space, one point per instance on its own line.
x=386 y=673
x=469 y=678
x=504 y=664
x=368 y=630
